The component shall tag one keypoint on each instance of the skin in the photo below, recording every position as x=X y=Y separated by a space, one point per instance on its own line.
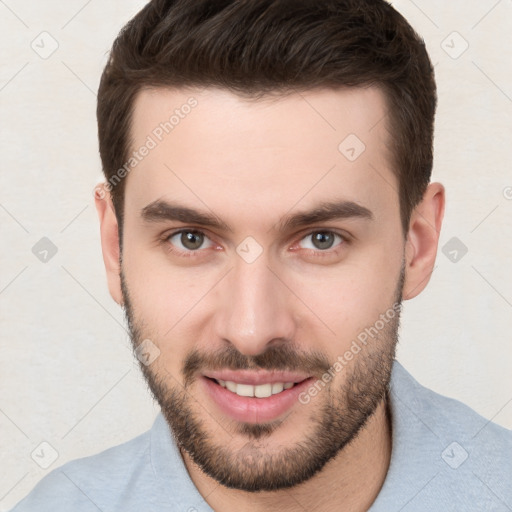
x=252 y=164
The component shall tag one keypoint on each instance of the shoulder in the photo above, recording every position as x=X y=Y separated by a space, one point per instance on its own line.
x=90 y=483
x=446 y=416
x=445 y=456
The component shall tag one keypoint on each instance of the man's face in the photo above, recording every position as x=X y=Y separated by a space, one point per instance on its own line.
x=263 y=295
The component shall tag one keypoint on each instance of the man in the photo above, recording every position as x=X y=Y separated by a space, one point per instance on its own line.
x=266 y=209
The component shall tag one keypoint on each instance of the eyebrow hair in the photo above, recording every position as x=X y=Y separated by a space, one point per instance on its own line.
x=160 y=210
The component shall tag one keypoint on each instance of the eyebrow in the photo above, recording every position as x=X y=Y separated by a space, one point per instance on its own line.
x=160 y=211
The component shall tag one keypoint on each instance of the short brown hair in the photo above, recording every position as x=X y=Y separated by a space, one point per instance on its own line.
x=254 y=48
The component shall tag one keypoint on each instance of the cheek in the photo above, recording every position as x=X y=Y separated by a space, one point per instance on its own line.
x=168 y=301
x=177 y=305
x=351 y=297
x=151 y=290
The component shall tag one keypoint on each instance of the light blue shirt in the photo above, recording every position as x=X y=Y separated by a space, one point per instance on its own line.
x=445 y=457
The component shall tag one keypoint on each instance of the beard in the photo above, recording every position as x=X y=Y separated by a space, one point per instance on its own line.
x=346 y=409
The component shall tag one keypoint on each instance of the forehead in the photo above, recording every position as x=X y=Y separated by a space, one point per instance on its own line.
x=246 y=157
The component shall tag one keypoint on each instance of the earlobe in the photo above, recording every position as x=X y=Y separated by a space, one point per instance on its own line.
x=109 y=231
x=423 y=239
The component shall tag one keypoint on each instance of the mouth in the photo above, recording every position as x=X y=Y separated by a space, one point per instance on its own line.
x=254 y=402
x=258 y=391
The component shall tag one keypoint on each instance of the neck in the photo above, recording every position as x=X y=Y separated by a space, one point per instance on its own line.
x=350 y=482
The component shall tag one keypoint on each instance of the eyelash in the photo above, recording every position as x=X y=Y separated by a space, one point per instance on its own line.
x=315 y=253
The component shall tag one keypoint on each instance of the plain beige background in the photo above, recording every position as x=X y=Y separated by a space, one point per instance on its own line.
x=67 y=375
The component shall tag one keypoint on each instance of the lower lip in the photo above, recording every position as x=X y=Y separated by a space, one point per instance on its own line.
x=252 y=409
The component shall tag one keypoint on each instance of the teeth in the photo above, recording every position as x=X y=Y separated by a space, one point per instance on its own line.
x=277 y=387
x=231 y=386
x=260 y=391
x=245 y=390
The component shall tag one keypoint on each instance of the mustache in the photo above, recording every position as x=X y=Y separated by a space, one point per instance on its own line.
x=276 y=357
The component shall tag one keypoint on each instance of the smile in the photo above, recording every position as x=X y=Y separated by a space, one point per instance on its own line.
x=259 y=391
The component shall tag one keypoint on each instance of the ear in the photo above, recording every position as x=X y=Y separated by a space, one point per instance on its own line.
x=422 y=240
x=109 y=231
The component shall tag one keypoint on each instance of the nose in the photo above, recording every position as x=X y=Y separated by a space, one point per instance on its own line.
x=255 y=308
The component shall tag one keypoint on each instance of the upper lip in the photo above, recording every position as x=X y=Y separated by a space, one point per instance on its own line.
x=255 y=378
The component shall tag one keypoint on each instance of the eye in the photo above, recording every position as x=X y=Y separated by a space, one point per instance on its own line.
x=192 y=240
x=321 y=240
x=189 y=240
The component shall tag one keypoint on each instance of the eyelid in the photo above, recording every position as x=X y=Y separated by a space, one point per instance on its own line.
x=345 y=239
x=168 y=235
